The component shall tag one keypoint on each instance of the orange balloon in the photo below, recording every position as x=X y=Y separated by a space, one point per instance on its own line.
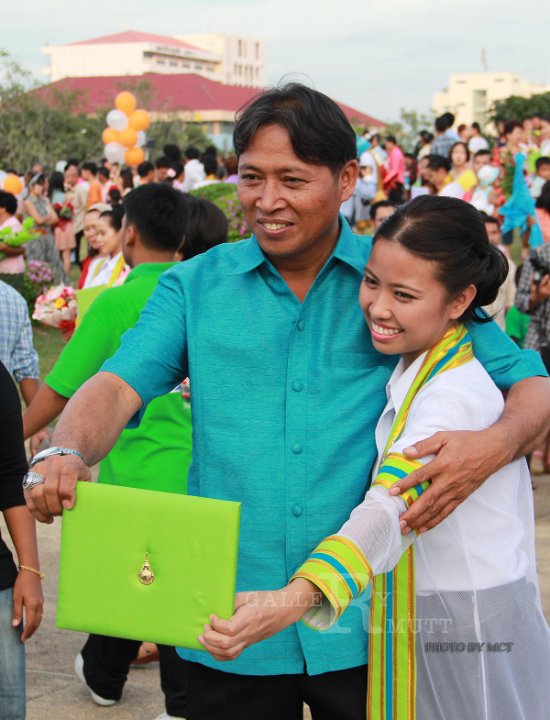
x=139 y=120
x=134 y=156
x=126 y=102
x=128 y=137
x=12 y=184
x=109 y=135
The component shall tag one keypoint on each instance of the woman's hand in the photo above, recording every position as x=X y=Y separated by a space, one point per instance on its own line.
x=258 y=615
x=28 y=603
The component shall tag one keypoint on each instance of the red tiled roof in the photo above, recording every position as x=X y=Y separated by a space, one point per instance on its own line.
x=131 y=36
x=171 y=93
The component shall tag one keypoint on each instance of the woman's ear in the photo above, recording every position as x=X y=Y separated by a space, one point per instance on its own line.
x=462 y=301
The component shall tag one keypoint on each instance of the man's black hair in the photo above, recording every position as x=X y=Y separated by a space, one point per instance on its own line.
x=476 y=126
x=542 y=161
x=449 y=119
x=90 y=166
x=8 y=202
x=207 y=226
x=441 y=124
x=104 y=172
x=159 y=213
x=210 y=164
x=145 y=168
x=192 y=153
x=172 y=152
x=391 y=138
x=319 y=131
x=488 y=218
x=163 y=162
x=438 y=162
x=479 y=153
x=381 y=203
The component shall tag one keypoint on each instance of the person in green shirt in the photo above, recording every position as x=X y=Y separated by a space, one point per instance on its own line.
x=160 y=225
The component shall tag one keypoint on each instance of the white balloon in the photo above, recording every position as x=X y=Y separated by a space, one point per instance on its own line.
x=3 y=176
x=114 y=152
x=142 y=138
x=117 y=120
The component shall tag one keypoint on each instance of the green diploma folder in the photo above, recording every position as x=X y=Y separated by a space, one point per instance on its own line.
x=146 y=565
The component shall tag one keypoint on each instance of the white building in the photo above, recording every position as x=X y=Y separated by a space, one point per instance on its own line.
x=470 y=96
x=229 y=59
x=243 y=57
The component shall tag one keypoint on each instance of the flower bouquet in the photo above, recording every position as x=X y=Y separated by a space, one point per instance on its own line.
x=27 y=233
x=64 y=212
x=57 y=308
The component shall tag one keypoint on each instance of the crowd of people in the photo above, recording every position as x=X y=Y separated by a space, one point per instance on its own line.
x=378 y=422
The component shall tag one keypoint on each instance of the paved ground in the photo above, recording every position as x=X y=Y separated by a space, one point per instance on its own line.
x=54 y=691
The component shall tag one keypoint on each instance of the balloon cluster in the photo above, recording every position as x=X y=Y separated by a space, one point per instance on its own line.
x=124 y=136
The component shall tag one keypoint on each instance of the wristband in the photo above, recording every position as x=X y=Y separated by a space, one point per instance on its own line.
x=41 y=575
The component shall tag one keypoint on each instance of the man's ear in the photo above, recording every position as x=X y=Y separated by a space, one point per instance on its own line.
x=348 y=179
x=130 y=235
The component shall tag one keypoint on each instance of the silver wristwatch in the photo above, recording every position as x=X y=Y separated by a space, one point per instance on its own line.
x=54 y=451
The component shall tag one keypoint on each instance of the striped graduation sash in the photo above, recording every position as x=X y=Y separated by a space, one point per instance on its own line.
x=115 y=273
x=392 y=659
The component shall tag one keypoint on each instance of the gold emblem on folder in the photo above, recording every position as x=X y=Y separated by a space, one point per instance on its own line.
x=146 y=574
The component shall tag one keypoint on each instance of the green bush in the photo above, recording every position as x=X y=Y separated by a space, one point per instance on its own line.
x=224 y=195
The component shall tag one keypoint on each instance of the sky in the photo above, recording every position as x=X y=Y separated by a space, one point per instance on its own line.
x=376 y=55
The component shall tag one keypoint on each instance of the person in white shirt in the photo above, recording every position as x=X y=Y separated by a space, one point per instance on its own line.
x=477 y=142
x=193 y=170
x=456 y=625
x=109 y=267
x=439 y=177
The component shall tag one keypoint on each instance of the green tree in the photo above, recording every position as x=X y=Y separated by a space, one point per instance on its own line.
x=37 y=125
x=520 y=108
x=409 y=125
x=178 y=132
x=45 y=124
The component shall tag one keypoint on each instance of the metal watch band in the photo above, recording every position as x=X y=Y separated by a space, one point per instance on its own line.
x=54 y=451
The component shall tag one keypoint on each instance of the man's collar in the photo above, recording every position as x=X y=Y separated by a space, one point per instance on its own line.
x=350 y=249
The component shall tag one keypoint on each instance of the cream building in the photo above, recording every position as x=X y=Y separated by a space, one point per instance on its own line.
x=243 y=57
x=231 y=60
x=470 y=96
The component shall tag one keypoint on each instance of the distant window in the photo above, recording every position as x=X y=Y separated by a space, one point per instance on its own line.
x=240 y=48
x=197 y=66
x=186 y=65
x=210 y=69
x=499 y=80
x=257 y=51
x=461 y=82
x=173 y=63
x=160 y=62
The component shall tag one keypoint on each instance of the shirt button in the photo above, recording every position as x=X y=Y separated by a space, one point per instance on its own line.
x=300 y=324
x=297 y=449
x=297 y=510
x=297 y=386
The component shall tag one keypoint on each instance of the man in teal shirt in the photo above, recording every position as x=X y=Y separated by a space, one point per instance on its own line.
x=286 y=392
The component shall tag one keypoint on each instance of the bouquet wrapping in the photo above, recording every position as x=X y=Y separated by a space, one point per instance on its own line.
x=57 y=308
x=27 y=233
x=64 y=212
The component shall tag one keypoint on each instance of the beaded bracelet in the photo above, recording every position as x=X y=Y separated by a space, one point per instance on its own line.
x=41 y=575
